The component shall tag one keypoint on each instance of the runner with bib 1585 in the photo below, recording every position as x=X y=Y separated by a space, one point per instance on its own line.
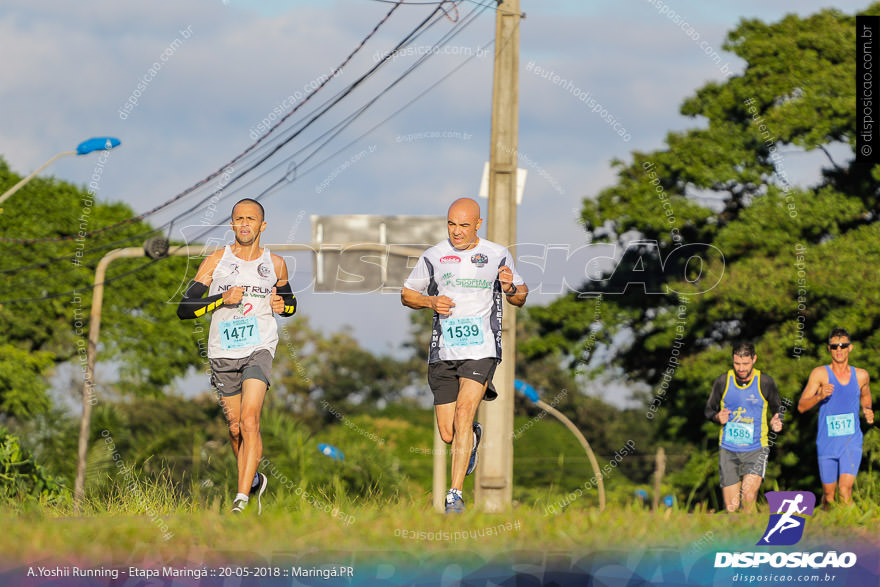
x=740 y=402
x=463 y=280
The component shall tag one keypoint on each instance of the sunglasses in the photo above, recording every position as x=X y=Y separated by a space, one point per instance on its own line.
x=841 y=345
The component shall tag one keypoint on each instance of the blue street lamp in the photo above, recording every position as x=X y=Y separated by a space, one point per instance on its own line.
x=97 y=144
x=84 y=148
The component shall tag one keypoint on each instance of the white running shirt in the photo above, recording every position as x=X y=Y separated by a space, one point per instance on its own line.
x=470 y=278
x=238 y=331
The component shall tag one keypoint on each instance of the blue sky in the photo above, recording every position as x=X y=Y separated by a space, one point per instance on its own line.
x=73 y=66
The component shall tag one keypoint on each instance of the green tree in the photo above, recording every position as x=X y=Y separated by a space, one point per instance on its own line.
x=779 y=265
x=44 y=310
x=21 y=478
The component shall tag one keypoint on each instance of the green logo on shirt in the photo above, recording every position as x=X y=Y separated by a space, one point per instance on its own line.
x=475 y=283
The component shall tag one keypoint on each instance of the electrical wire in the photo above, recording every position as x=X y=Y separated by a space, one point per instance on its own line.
x=284 y=179
x=339 y=127
x=234 y=160
x=335 y=132
x=321 y=110
x=315 y=115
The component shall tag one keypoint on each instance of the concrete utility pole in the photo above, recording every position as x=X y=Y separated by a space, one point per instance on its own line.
x=494 y=482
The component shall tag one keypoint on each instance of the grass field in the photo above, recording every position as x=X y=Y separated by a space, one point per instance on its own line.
x=399 y=543
x=312 y=512
x=291 y=524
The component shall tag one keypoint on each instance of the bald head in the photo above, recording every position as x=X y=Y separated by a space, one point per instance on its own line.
x=467 y=206
x=462 y=221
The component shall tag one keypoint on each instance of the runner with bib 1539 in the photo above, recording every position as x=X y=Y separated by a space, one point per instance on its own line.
x=463 y=280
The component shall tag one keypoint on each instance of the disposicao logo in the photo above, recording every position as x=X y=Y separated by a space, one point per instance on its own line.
x=786 y=526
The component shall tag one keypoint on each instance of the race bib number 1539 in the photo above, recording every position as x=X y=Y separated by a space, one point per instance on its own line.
x=464 y=331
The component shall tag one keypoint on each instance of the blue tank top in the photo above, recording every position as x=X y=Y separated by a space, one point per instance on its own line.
x=746 y=428
x=839 y=417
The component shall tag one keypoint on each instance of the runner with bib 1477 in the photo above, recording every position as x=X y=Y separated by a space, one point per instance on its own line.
x=246 y=286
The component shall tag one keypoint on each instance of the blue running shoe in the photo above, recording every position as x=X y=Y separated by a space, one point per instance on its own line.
x=454 y=502
x=478 y=433
x=258 y=490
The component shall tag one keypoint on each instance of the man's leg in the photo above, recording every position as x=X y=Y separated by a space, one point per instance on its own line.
x=731 y=497
x=253 y=391
x=828 y=475
x=231 y=406
x=445 y=420
x=730 y=475
x=444 y=385
x=750 y=485
x=828 y=491
x=755 y=465
x=470 y=393
x=845 y=485
x=848 y=468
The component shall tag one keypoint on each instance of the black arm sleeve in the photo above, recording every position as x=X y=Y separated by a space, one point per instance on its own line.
x=289 y=299
x=771 y=394
x=713 y=406
x=194 y=305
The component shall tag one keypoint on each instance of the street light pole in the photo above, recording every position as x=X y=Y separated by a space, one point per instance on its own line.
x=88 y=393
x=20 y=184
x=85 y=147
x=530 y=392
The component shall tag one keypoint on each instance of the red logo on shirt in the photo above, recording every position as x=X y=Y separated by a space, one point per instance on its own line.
x=450 y=259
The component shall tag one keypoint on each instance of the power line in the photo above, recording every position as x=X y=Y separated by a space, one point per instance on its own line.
x=496 y=8
x=231 y=163
x=321 y=110
x=343 y=94
x=347 y=121
x=469 y=19
x=394 y=114
x=280 y=142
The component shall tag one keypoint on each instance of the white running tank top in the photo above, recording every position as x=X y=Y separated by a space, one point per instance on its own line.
x=238 y=331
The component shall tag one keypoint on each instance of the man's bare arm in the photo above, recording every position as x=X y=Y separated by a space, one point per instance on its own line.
x=816 y=390
x=415 y=300
x=865 y=395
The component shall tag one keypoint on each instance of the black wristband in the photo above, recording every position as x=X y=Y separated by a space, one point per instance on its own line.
x=289 y=299
x=513 y=293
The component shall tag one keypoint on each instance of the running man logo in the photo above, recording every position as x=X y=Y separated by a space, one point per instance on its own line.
x=786 y=526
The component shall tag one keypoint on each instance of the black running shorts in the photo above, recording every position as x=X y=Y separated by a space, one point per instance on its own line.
x=443 y=378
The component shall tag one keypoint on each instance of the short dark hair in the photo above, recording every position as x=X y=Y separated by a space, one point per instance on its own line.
x=837 y=331
x=249 y=201
x=743 y=349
